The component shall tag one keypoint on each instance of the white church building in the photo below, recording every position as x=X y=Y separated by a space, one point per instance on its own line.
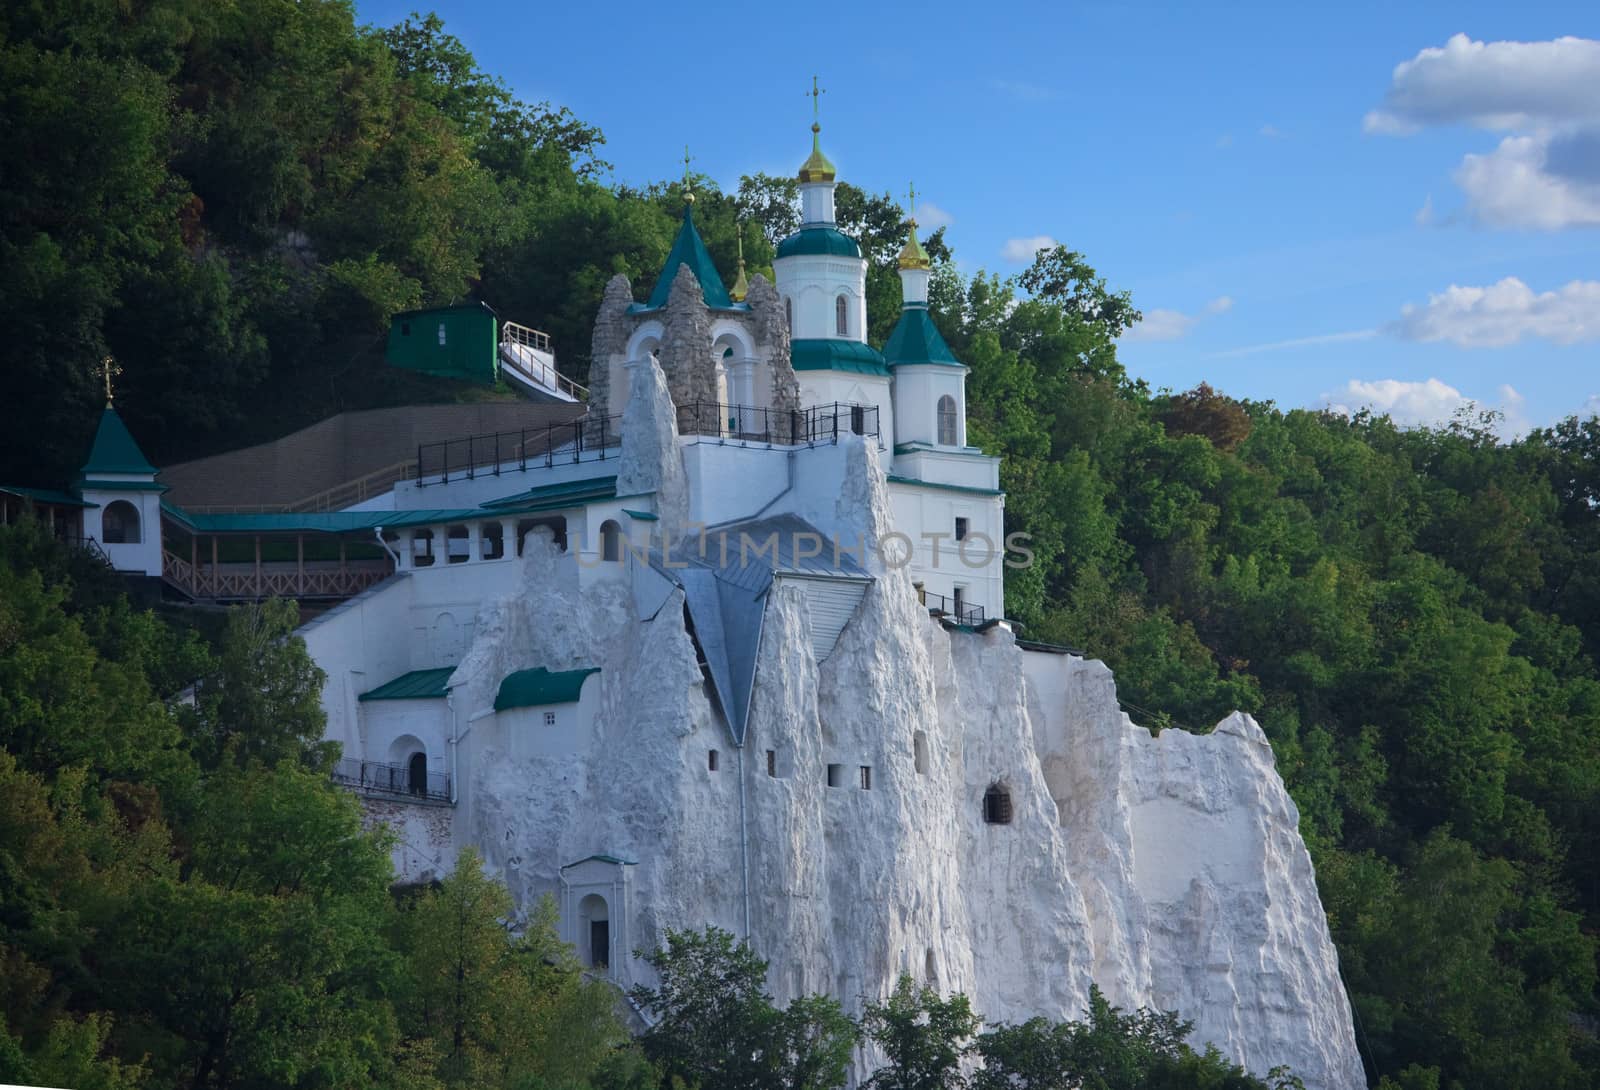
x=727 y=646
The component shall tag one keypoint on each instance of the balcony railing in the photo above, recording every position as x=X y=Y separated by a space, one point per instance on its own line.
x=599 y=437
x=812 y=425
x=953 y=608
x=253 y=583
x=400 y=781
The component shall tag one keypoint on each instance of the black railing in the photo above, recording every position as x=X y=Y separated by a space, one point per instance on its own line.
x=554 y=444
x=813 y=424
x=597 y=436
x=398 y=780
x=953 y=608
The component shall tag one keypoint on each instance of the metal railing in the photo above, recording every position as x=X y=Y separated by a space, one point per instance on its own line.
x=956 y=610
x=518 y=344
x=386 y=779
x=489 y=454
x=754 y=423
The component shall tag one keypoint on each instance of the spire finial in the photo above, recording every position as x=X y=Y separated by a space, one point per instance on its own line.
x=688 y=190
x=741 y=284
x=109 y=369
x=816 y=94
x=911 y=201
x=912 y=255
x=816 y=168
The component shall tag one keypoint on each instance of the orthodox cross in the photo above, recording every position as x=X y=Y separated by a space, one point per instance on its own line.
x=815 y=95
x=688 y=191
x=911 y=197
x=108 y=371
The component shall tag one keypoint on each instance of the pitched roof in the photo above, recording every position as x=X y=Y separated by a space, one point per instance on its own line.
x=417 y=685
x=917 y=340
x=827 y=354
x=114 y=450
x=687 y=249
x=45 y=495
x=564 y=494
x=539 y=686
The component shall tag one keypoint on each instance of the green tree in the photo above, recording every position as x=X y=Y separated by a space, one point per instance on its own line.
x=924 y=1038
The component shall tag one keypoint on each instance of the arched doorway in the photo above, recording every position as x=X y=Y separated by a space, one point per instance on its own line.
x=417 y=774
x=119 y=524
x=594 y=936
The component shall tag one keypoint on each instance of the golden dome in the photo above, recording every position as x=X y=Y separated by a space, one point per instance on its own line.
x=912 y=255
x=817 y=168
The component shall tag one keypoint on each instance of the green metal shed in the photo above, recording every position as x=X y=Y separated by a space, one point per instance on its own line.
x=458 y=342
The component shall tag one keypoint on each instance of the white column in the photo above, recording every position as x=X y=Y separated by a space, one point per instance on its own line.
x=508 y=538
x=474 y=542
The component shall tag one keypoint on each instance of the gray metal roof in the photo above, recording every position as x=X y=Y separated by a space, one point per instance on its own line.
x=725 y=575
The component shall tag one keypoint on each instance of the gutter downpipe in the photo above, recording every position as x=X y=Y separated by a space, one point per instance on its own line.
x=377 y=532
x=744 y=843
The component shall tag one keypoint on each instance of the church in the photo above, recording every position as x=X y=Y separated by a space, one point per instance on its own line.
x=721 y=640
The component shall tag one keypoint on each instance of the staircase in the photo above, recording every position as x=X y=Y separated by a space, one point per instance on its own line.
x=529 y=362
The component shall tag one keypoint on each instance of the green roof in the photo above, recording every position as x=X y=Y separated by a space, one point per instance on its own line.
x=417 y=685
x=322 y=522
x=45 y=495
x=114 y=450
x=537 y=687
x=603 y=859
x=687 y=249
x=645 y=516
x=897 y=479
x=565 y=494
x=916 y=340
x=819 y=240
x=810 y=354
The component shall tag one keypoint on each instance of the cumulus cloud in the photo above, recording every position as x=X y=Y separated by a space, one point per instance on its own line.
x=1547 y=174
x=1429 y=403
x=1546 y=181
x=1172 y=325
x=1493 y=85
x=1023 y=249
x=933 y=217
x=1504 y=313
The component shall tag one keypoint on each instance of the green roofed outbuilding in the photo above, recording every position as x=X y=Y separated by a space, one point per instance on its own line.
x=459 y=342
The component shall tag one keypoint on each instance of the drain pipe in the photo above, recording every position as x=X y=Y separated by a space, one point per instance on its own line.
x=744 y=842
x=384 y=545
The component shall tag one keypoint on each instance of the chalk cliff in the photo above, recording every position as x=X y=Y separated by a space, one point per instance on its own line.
x=1167 y=870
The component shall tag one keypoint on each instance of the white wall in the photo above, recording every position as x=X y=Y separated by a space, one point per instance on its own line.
x=387 y=722
x=813 y=282
x=920 y=512
x=917 y=390
x=143 y=557
x=525 y=734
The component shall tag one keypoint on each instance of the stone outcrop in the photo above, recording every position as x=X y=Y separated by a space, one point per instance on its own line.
x=609 y=342
x=686 y=343
x=652 y=461
x=772 y=330
x=1168 y=871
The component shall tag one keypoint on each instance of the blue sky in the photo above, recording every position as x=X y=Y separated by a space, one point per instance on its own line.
x=1299 y=220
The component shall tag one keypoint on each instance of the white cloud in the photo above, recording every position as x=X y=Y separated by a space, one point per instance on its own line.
x=1504 y=313
x=1023 y=249
x=1298 y=342
x=1424 y=216
x=1493 y=85
x=1271 y=132
x=933 y=217
x=1172 y=325
x=1430 y=403
x=1225 y=140
x=1518 y=184
x=1591 y=407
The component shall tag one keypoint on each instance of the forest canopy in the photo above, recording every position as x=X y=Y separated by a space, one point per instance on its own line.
x=231 y=199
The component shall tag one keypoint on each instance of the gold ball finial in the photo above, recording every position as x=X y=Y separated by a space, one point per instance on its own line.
x=688 y=190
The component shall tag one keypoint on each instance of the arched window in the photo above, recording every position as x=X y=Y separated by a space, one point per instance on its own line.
x=841 y=316
x=610 y=540
x=997 y=805
x=949 y=424
x=417 y=774
x=119 y=524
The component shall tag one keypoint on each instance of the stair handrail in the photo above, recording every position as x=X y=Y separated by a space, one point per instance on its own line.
x=515 y=334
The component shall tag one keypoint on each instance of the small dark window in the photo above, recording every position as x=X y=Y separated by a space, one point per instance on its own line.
x=949 y=422
x=835 y=775
x=841 y=316
x=858 y=419
x=960 y=597
x=772 y=762
x=711 y=760
x=610 y=540
x=961 y=529
x=788 y=313
x=997 y=805
x=441 y=335
x=919 y=752
x=866 y=777
x=549 y=719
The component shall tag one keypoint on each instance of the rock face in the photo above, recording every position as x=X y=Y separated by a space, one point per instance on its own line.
x=849 y=839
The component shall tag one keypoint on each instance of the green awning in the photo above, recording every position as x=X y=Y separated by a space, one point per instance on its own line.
x=539 y=686
x=417 y=685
